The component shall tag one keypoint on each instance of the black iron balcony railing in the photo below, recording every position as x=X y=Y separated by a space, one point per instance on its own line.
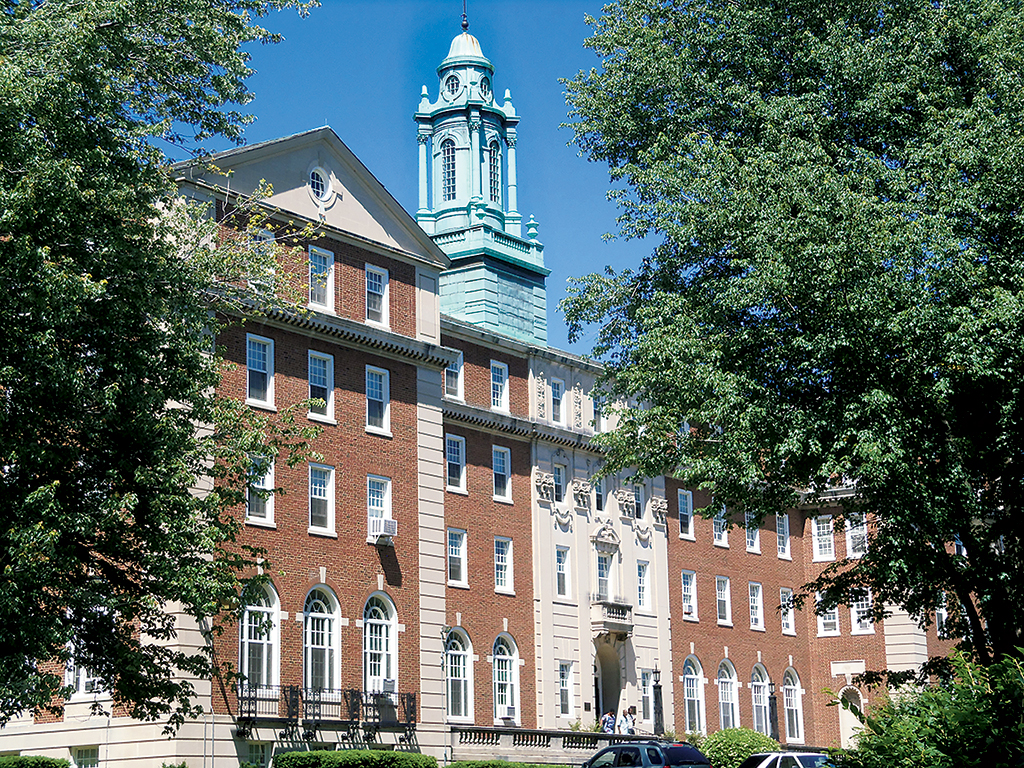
x=371 y=710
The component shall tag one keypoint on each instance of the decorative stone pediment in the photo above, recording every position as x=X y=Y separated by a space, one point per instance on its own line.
x=659 y=508
x=626 y=501
x=545 y=483
x=581 y=490
x=604 y=538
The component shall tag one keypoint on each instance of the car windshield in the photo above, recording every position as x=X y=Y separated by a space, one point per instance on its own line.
x=812 y=761
x=684 y=754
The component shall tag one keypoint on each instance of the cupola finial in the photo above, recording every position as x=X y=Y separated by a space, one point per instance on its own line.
x=465 y=17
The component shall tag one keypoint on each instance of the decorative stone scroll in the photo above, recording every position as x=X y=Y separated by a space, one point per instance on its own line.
x=542 y=396
x=659 y=509
x=581 y=491
x=563 y=517
x=545 y=483
x=643 y=534
x=626 y=501
x=604 y=538
x=577 y=402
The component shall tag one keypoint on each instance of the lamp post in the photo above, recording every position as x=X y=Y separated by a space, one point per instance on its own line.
x=659 y=715
x=773 y=712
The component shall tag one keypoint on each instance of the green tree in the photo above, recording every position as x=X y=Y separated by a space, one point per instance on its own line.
x=108 y=417
x=730 y=747
x=836 y=296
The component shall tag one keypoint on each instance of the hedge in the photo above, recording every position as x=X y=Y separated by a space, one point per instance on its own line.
x=32 y=761
x=352 y=758
x=729 y=748
x=495 y=764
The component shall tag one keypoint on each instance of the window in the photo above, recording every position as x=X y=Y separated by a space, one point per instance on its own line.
x=557 y=395
x=638 y=498
x=506 y=675
x=599 y=415
x=451 y=84
x=318 y=184
x=724 y=600
x=378 y=503
x=259 y=641
x=321 y=385
x=828 y=619
x=782 y=535
x=558 y=473
x=320 y=640
x=499 y=386
x=753 y=532
x=604 y=575
x=756 y=606
x=494 y=167
x=759 y=699
x=321 y=498
x=721 y=529
x=455 y=455
x=856 y=536
x=941 y=615
x=562 y=571
x=500 y=460
x=786 y=611
x=685 y=514
x=565 y=688
x=87 y=757
x=791 y=704
x=728 y=709
x=689 y=596
x=824 y=546
x=379 y=661
x=457 y=667
x=456 y=557
x=503 y=564
x=599 y=494
x=643 y=597
x=259 y=504
x=81 y=678
x=321 y=278
x=377 y=295
x=693 y=695
x=258 y=754
x=861 y=621
x=378 y=400
x=448 y=163
x=259 y=360
x=453 y=379
x=645 y=695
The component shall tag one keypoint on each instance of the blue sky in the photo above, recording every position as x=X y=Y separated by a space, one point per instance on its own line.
x=358 y=66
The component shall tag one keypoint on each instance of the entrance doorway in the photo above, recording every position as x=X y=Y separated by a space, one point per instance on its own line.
x=607 y=680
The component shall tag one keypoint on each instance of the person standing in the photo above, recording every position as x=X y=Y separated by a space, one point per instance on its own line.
x=608 y=721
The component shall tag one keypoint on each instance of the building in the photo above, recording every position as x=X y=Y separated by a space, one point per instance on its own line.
x=450 y=574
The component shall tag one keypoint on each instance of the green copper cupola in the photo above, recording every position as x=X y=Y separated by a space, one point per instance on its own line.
x=468 y=200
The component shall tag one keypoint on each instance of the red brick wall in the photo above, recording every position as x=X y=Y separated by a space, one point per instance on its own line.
x=476 y=375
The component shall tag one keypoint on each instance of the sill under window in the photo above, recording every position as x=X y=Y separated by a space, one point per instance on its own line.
x=458 y=584
x=504 y=591
x=724 y=623
x=455 y=489
x=261 y=523
x=263 y=405
x=823 y=558
x=753 y=551
x=757 y=629
x=789 y=632
x=690 y=617
x=321 y=418
x=503 y=500
x=322 y=532
x=687 y=537
x=722 y=544
x=785 y=556
x=377 y=431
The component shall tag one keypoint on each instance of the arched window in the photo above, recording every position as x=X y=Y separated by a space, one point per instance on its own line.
x=693 y=695
x=728 y=707
x=447 y=170
x=379 y=669
x=458 y=679
x=793 y=706
x=495 y=172
x=759 y=699
x=259 y=640
x=320 y=639
x=506 y=677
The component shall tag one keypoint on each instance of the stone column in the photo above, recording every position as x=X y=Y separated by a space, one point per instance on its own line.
x=474 y=160
x=513 y=200
x=423 y=139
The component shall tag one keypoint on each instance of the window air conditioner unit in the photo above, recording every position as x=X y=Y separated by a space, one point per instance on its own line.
x=383 y=528
x=510 y=713
x=389 y=686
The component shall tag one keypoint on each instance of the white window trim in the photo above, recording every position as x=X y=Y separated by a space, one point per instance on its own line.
x=384 y=431
x=510 y=587
x=327 y=417
x=756 y=607
x=643 y=599
x=688 y=496
x=467 y=646
x=335 y=644
x=563 y=470
x=328 y=306
x=385 y=321
x=503 y=406
x=734 y=705
x=507 y=498
x=265 y=483
x=818 y=539
x=692 y=616
x=386 y=511
x=790 y=611
x=822 y=632
x=561 y=420
x=748 y=528
x=460 y=391
x=798 y=694
x=464 y=581
x=850 y=526
x=784 y=552
x=461 y=487
x=78 y=760
x=699 y=683
x=513 y=680
x=267 y=404
x=567 y=573
x=727 y=621
x=723 y=539
x=329 y=530
x=570 y=687
x=273 y=611
x=855 y=628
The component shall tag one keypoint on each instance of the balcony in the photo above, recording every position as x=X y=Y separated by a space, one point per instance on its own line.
x=315 y=709
x=611 y=616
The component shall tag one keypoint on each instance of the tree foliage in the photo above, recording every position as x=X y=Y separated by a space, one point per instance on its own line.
x=729 y=747
x=108 y=418
x=836 y=298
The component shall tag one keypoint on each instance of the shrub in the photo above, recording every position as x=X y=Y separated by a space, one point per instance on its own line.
x=729 y=748
x=32 y=761
x=353 y=758
x=493 y=764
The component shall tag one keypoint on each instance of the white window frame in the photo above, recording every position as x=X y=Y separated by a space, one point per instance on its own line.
x=643 y=585
x=385 y=400
x=782 y=539
x=646 y=700
x=504 y=571
x=638 y=500
x=328 y=304
x=380 y=646
x=384 y=509
x=559 y=473
x=941 y=615
x=385 y=319
x=268 y=344
x=689 y=597
x=454 y=369
x=84 y=682
x=558 y=397
x=454 y=444
x=720 y=525
x=756 y=593
x=458 y=658
x=728 y=696
x=787 y=613
x=331 y=625
x=263 y=482
x=792 y=694
x=329 y=490
x=85 y=757
x=723 y=600
x=499 y=387
x=598 y=484
x=759 y=708
x=566 y=704
x=328 y=414
x=506 y=454
x=823 y=536
x=752 y=533
x=456 y=553
x=604 y=583
x=261 y=620
x=563 y=582
x=509 y=697
x=258 y=753
x=860 y=607
x=856 y=528
x=826 y=618
x=685 y=505
x=694 y=711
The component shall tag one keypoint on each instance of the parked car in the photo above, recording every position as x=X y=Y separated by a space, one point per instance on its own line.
x=647 y=754
x=785 y=760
